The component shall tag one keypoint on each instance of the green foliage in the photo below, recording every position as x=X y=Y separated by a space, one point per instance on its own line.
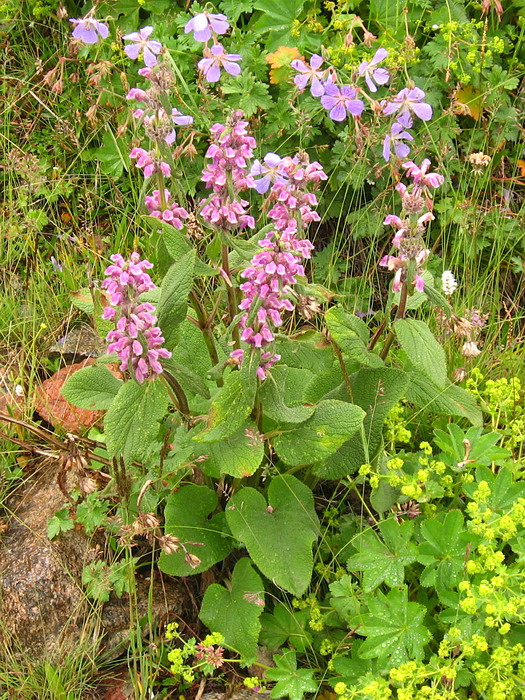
x=61 y=521
x=235 y=612
x=424 y=351
x=290 y=681
x=92 y=388
x=173 y=301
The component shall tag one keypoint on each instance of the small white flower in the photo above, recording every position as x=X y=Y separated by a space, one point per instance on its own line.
x=448 y=283
x=470 y=349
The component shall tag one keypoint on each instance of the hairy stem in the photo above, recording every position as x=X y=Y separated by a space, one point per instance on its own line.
x=230 y=291
x=400 y=313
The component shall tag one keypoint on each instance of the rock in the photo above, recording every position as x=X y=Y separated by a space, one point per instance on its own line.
x=43 y=607
x=80 y=341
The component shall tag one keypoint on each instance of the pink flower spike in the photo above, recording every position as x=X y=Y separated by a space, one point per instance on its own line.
x=140 y=43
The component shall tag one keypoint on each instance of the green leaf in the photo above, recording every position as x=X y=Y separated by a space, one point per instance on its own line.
x=291 y=681
x=173 y=302
x=344 y=598
x=383 y=560
x=393 y=628
x=187 y=377
x=177 y=246
x=351 y=335
x=504 y=492
x=375 y=391
x=451 y=400
x=288 y=519
x=277 y=17
x=187 y=516
x=59 y=522
x=235 y=612
x=443 y=552
x=422 y=349
x=332 y=424
x=91 y=513
x=272 y=395
x=92 y=388
x=132 y=422
x=114 y=158
x=309 y=350
x=238 y=455
x=233 y=403
x=285 y=626
x=252 y=94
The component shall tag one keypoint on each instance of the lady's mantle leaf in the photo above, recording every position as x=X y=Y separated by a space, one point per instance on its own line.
x=235 y=613
x=393 y=628
x=291 y=681
x=278 y=536
x=187 y=517
x=384 y=560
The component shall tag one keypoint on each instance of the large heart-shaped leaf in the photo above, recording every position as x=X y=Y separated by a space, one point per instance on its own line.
x=279 y=534
x=187 y=517
x=235 y=613
x=93 y=388
x=332 y=424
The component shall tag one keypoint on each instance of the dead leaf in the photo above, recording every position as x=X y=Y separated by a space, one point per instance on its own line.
x=280 y=63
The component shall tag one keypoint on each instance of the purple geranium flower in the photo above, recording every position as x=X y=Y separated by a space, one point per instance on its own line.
x=406 y=101
x=310 y=73
x=393 y=140
x=141 y=44
x=89 y=30
x=211 y=66
x=340 y=101
x=203 y=24
x=372 y=74
x=268 y=169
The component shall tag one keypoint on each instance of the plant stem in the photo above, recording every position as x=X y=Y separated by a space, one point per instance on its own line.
x=342 y=366
x=230 y=291
x=400 y=313
x=178 y=396
x=204 y=325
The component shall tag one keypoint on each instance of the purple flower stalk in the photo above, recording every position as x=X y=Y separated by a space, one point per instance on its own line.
x=89 y=30
x=215 y=59
x=137 y=340
x=140 y=43
x=171 y=212
x=310 y=74
x=267 y=172
x=227 y=174
x=341 y=101
x=407 y=101
x=149 y=162
x=375 y=76
x=205 y=24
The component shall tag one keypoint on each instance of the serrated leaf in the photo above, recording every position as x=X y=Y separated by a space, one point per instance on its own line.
x=173 y=302
x=235 y=613
x=393 y=629
x=351 y=335
x=92 y=388
x=177 y=245
x=187 y=517
x=132 y=422
x=443 y=551
x=238 y=455
x=187 y=377
x=288 y=519
x=285 y=626
x=114 y=158
x=332 y=424
x=423 y=350
x=291 y=681
x=233 y=403
x=59 y=522
x=309 y=350
x=375 y=391
x=451 y=400
x=272 y=395
x=82 y=299
x=383 y=559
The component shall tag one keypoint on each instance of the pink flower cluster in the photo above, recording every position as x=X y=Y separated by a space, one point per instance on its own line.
x=273 y=272
x=137 y=339
x=169 y=211
x=227 y=175
x=411 y=226
x=149 y=162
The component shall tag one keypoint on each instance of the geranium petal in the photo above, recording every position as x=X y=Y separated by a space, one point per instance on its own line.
x=338 y=113
x=423 y=111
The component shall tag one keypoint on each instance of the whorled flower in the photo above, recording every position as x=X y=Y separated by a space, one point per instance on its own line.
x=137 y=340
x=169 y=211
x=341 y=101
x=408 y=101
x=205 y=24
x=420 y=175
x=372 y=73
x=310 y=74
x=89 y=30
x=149 y=162
x=141 y=43
x=227 y=174
x=215 y=59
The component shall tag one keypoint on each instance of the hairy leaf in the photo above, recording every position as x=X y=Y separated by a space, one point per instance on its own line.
x=92 y=388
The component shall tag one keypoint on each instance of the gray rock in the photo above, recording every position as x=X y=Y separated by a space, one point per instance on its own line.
x=43 y=607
